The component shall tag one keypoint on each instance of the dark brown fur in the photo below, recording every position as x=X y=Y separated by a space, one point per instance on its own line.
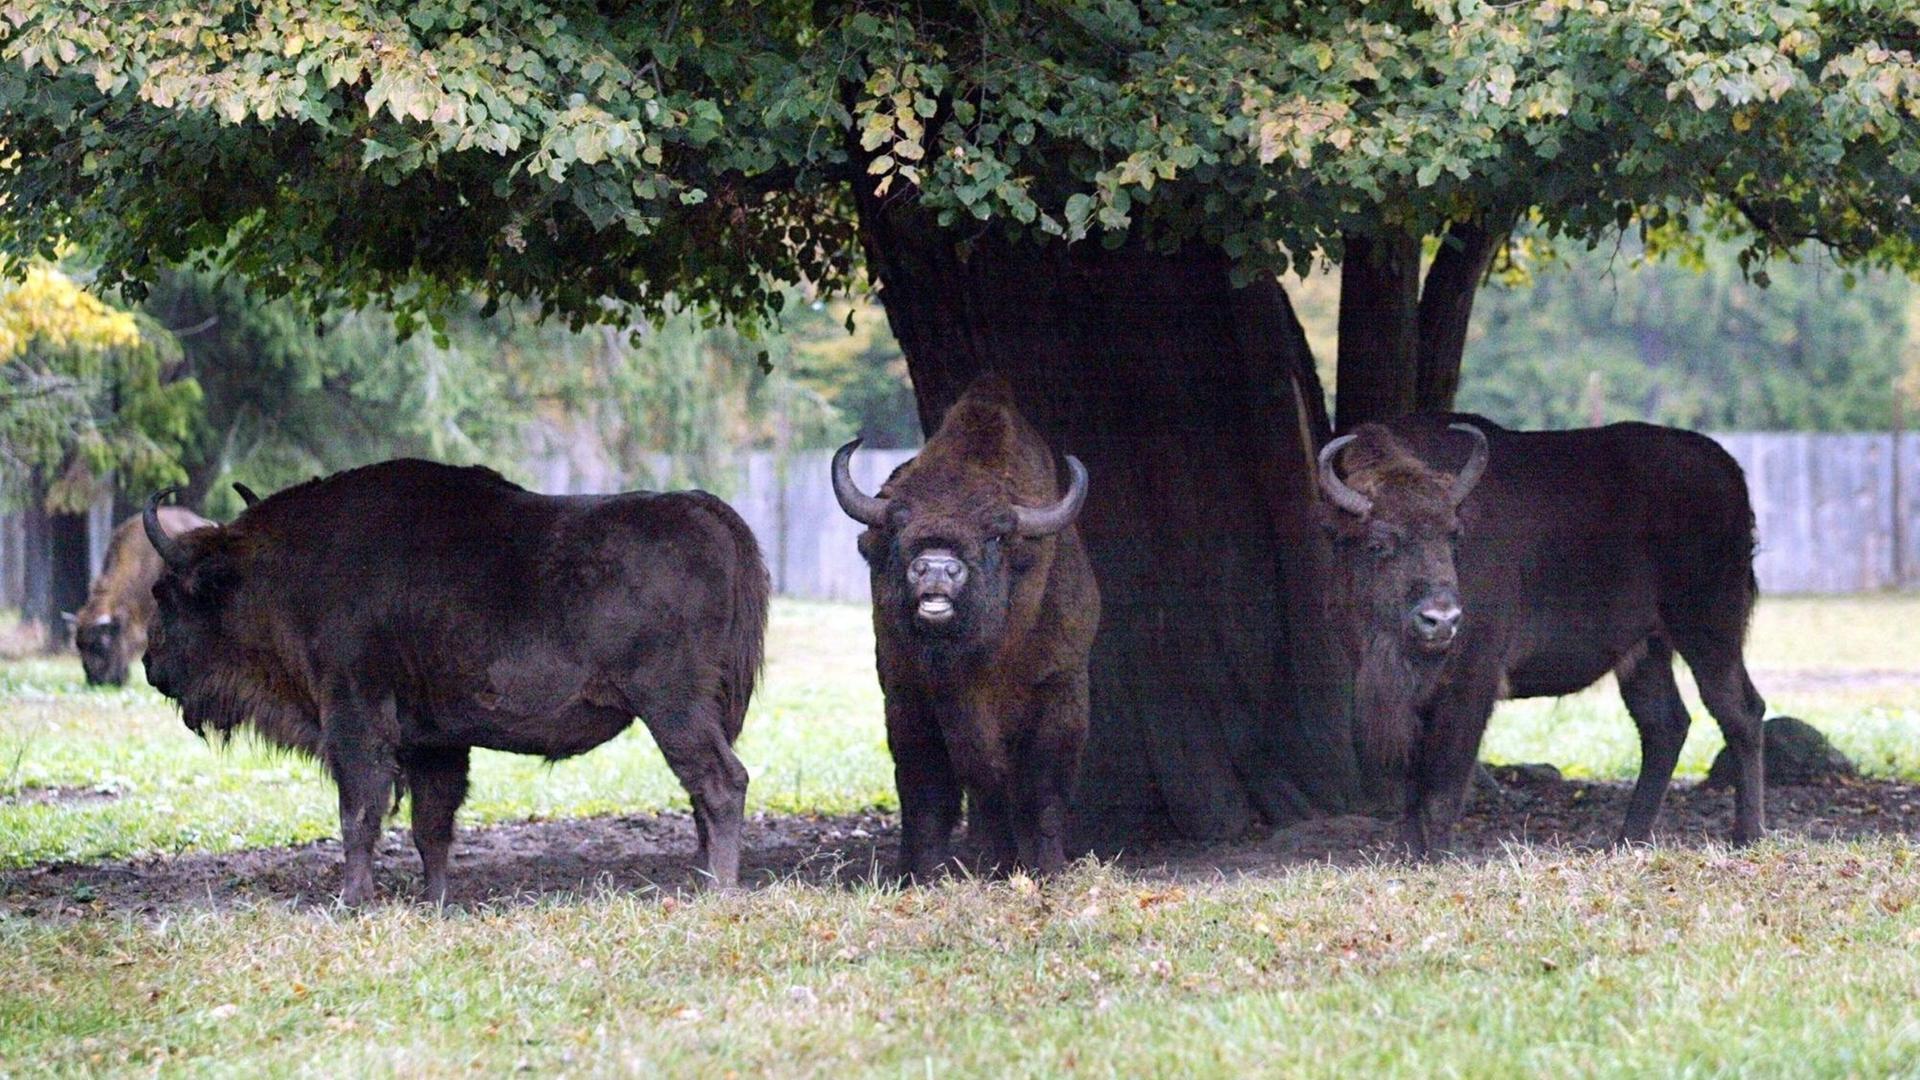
x=1578 y=553
x=995 y=705
x=110 y=631
x=389 y=618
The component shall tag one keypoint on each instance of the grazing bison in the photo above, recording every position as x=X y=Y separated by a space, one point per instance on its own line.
x=1475 y=563
x=111 y=629
x=390 y=618
x=984 y=610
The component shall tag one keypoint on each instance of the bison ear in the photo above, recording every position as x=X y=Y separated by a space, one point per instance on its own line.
x=210 y=577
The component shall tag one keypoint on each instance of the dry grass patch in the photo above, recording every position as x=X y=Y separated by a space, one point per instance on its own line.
x=1789 y=959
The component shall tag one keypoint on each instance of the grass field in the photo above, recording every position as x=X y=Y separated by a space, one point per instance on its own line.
x=1793 y=958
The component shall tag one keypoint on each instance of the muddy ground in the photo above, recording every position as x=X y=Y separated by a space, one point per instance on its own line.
x=526 y=862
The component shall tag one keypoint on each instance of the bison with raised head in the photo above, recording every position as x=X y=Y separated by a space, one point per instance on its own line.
x=390 y=618
x=984 y=610
x=110 y=631
x=1475 y=563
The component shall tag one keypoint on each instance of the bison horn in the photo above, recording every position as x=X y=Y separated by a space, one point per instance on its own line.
x=1469 y=473
x=170 y=549
x=860 y=506
x=1034 y=522
x=1337 y=490
x=246 y=494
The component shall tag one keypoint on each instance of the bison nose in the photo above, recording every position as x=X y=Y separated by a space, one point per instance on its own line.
x=1437 y=620
x=928 y=570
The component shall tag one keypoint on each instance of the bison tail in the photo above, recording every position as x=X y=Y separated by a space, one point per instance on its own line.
x=747 y=633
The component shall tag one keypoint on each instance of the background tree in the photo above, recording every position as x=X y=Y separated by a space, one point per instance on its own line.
x=1613 y=336
x=288 y=396
x=82 y=399
x=1089 y=197
x=1566 y=338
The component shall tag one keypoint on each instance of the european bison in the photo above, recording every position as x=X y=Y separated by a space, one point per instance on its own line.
x=389 y=618
x=984 y=610
x=1475 y=563
x=111 y=629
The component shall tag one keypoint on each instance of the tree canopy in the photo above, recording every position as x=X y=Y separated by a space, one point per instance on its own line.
x=578 y=151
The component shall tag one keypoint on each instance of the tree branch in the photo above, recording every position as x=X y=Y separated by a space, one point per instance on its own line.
x=1446 y=307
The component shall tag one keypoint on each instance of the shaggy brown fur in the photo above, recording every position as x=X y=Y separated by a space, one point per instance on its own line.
x=994 y=702
x=111 y=629
x=1578 y=553
x=389 y=618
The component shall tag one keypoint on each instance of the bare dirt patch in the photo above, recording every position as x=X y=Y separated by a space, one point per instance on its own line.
x=530 y=861
x=58 y=795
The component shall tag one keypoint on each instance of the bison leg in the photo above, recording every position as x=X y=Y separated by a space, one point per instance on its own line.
x=696 y=748
x=991 y=828
x=1443 y=769
x=359 y=753
x=1047 y=768
x=1737 y=707
x=437 y=784
x=1653 y=700
x=929 y=791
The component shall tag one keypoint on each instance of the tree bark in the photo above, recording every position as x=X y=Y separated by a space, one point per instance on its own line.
x=1379 y=328
x=55 y=568
x=1218 y=704
x=1446 y=308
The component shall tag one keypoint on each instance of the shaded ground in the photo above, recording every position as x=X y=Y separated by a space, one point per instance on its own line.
x=528 y=861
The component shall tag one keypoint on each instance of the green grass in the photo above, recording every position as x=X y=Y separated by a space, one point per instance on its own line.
x=1790 y=959
x=1874 y=720
x=814 y=741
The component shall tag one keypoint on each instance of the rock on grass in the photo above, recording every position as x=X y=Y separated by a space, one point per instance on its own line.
x=1796 y=753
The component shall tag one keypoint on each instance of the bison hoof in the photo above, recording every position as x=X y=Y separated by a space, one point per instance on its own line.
x=929 y=872
x=357 y=891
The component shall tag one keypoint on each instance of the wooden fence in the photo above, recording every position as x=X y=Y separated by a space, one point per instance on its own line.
x=1836 y=514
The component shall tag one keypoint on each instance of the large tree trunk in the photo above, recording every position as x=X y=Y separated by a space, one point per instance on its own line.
x=1379 y=328
x=1218 y=705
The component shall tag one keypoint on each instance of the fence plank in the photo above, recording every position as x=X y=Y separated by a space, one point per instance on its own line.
x=1825 y=507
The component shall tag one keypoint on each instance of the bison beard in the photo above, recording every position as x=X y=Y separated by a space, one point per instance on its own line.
x=1389 y=688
